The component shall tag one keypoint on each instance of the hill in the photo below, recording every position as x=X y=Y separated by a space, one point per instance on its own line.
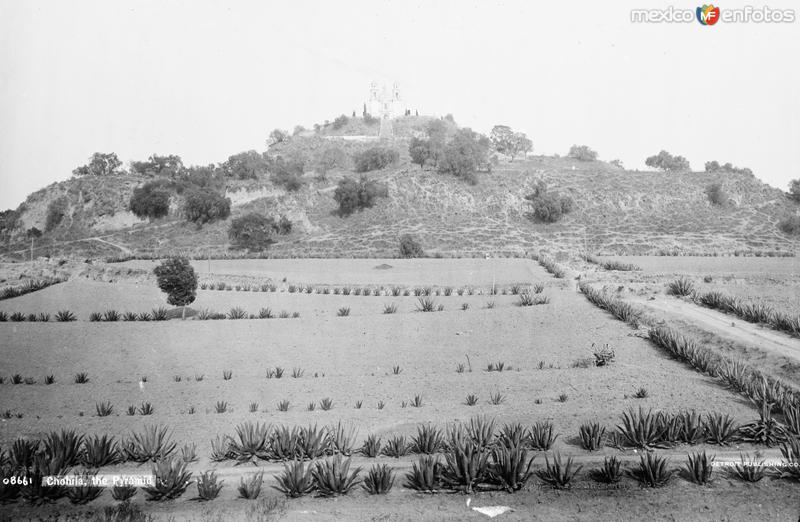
x=615 y=211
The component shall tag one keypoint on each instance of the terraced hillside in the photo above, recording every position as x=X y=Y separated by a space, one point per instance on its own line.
x=615 y=212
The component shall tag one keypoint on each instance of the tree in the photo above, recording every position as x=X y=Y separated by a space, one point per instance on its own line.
x=330 y=158
x=252 y=231
x=464 y=155
x=33 y=233
x=340 y=121
x=667 y=162
x=375 y=158
x=287 y=172
x=151 y=200
x=716 y=195
x=794 y=190
x=171 y=166
x=56 y=211
x=582 y=153
x=176 y=278
x=245 y=165
x=420 y=151
x=205 y=206
x=277 y=136
x=100 y=164
x=352 y=195
x=548 y=206
x=508 y=142
x=410 y=247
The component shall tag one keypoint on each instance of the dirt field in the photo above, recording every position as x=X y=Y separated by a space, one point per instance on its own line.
x=350 y=359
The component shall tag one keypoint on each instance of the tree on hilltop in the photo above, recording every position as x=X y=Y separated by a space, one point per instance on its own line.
x=667 y=162
x=100 y=164
x=508 y=142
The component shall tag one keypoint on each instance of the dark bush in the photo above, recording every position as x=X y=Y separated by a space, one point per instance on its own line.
x=506 y=141
x=245 y=165
x=464 y=154
x=410 y=247
x=790 y=225
x=100 y=164
x=352 y=195
x=667 y=162
x=794 y=190
x=176 y=278
x=56 y=211
x=284 y=226
x=582 y=153
x=375 y=158
x=288 y=173
x=340 y=122
x=714 y=166
x=151 y=200
x=331 y=158
x=156 y=165
x=205 y=206
x=716 y=195
x=253 y=231
x=549 y=207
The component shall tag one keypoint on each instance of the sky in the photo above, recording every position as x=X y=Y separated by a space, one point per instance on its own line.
x=207 y=79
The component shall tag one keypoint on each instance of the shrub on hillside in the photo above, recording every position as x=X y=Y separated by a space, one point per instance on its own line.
x=284 y=226
x=252 y=231
x=410 y=247
x=549 y=206
x=794 y=190
x=371 y=120
x=667 y=162
x=245 y=165
x=714 y=166
x=151 y=200
x=287 y=173
x=277 y=136
x=716 y=195
x=464 y=154
x=340 y=122
x=506 y=141
x=205 y=206
x=56 y=211
x=582 y=153
x=170 y=166
x=375 y=158
x=100 y=164
x=790 y=225
x=352 y=195
x=331 y=158
x=421 y=151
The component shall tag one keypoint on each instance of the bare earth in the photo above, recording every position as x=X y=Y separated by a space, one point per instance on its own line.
x=350 y=359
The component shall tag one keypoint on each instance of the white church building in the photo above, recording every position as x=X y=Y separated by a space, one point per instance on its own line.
x=385 y=103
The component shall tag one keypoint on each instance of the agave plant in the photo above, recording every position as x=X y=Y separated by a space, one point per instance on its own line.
x=653 y=470
x=510 y=467
x=154 y=443
x=371 y=447
x=123 y=493
x=250 y=442
x=791 y=453
x=64 y=446
x=766 y=430
x=333 y=477
x=379 y=480
x=342 y=437
x=609 y=473
x=65 y=316
x=250 y=486
x=558 y=474
x=36 y=491
x=208 y=487
x=428 y=440
x=699 y=467
x=104 y=409
x=640 y=429
x=295 y=481
x=220 y=449
x=84 y=493
x=171 y=479
x=541 y=436
x=100 y=451
x=591 y=436
x=283 y=443
x=425 y=475
x=748 y=469
x=720 y=429
x=466 y=463
x=312 y=442
x=396 y=447
x=680 y=287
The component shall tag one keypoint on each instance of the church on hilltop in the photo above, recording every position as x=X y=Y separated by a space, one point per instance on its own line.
x=385 y=103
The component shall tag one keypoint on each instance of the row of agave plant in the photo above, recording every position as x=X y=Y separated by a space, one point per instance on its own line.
x=394 y=291
x=550 y=265
x=767 y=393
x=752 y=312
x=32 y=285
x=612 y=265
x=476 y=457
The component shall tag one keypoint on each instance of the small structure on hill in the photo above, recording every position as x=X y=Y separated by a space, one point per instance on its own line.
x=385 y=103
